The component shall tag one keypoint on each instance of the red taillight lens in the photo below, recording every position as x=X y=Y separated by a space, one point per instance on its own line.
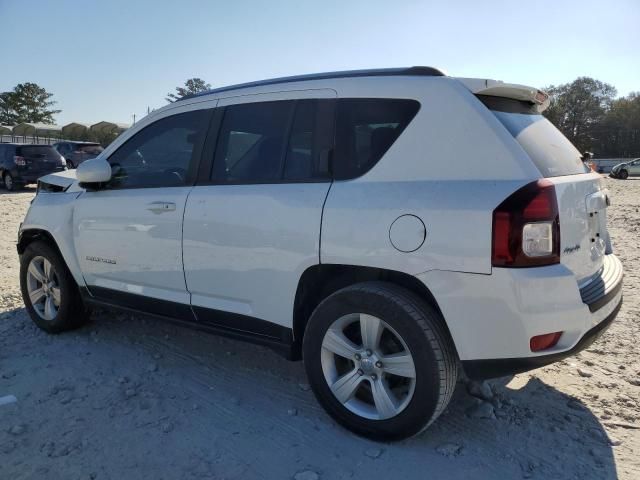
x=526 y=228
x=542 y=342
x=20 y=161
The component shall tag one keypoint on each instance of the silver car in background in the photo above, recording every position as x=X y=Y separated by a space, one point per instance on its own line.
x=626 y=169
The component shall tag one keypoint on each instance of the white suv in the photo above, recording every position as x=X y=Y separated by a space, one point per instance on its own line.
x=393 y=228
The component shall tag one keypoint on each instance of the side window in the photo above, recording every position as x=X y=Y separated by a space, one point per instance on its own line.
x=161 y=154
x=252 y=142
x=365 y=129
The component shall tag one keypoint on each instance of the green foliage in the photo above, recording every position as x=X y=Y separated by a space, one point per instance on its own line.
x=619 y=133
x=588 y=114
x=577 y=109
x=191 y=86
x=27 y=103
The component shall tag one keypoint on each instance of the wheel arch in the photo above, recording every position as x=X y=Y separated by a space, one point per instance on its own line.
x=319 y=281
x=30 y=235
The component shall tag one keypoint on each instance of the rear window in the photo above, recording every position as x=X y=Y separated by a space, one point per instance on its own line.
x=548 y=148
x=365 y=129
x=93 y=149
x=37 y=151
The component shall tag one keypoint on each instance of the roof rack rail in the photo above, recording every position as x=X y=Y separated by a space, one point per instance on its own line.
x=377 y=72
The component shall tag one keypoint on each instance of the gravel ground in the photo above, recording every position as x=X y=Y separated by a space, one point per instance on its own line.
x=130 y=397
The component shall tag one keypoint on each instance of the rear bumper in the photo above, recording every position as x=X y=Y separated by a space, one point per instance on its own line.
x=492 y=318
x=493 y=368
x=604 y=286
x=22 y=176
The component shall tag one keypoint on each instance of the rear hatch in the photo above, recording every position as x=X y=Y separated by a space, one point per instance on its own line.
x=39 y=160
x=582 y=200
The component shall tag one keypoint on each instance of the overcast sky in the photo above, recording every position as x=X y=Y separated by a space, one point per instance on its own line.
x=110 y=59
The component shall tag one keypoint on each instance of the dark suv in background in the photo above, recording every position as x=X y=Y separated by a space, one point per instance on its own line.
x=77 y=152
x=23 y=163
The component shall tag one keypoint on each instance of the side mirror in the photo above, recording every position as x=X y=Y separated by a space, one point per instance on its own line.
x=95 y=170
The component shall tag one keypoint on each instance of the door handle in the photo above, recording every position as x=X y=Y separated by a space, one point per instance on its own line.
x=160 y=207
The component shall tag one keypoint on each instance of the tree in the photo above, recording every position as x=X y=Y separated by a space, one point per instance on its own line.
x=578 y=108
x=619 y=132
x=27 y=103
x=191 y=86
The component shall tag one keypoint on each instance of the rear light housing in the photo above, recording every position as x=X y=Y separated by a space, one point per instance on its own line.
x=526 y=228
x=20 y=161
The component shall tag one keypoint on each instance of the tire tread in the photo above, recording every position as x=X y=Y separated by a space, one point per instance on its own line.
x=422 y=313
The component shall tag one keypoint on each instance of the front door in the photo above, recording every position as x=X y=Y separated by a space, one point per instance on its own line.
x=252 y=224
x=128 y=236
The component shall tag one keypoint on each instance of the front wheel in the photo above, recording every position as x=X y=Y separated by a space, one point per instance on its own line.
x=623 y=174
x=379 y=360
x=48 y=290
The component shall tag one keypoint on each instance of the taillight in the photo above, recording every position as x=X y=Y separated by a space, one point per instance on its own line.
x=20 y=161
x=526 y=227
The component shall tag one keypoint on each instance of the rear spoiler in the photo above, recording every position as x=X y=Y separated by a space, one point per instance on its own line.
x=496 y=88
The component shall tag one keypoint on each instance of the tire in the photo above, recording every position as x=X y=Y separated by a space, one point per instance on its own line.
x=69 y=313
x=8 y=182
x=410 y=325
x=623 y=174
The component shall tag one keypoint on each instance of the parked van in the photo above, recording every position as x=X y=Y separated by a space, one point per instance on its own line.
x=393 y=228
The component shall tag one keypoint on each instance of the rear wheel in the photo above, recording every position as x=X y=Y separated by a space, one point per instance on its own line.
x=623 y=174
x=49 y=292
x=379 y=361
x=9 y=184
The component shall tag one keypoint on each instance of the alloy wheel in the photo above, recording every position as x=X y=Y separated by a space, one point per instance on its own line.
x=43 y=287
x=368 y=366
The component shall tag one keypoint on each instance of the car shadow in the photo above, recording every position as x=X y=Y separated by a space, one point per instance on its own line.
x=230 y=409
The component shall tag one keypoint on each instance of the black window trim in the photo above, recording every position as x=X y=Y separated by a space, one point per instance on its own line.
x=196 y=154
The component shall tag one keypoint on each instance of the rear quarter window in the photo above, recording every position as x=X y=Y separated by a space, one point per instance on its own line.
x=365 y=129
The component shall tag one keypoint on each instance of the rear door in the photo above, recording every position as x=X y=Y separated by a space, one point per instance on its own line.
x=252 y=224
x=582 y=199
